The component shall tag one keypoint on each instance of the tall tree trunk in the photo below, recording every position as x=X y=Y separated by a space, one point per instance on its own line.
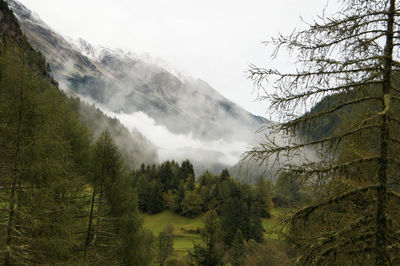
x=15 y=174
x=210 y=249
x=382 y=257
x=98 y=213
x=90 y=222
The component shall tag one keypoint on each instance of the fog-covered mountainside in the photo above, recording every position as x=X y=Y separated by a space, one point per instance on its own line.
x=126 y=83
x=134 y=147
x=130 y=83
x=249 y=171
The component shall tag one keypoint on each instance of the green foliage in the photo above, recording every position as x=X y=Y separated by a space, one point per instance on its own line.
x=350 y=60
x=163 y=186
x=192 y=204
x=134 y=147
x=207 y=252
x=266 y=254
x=64 y=200
x=239 y=212
x=236 y=252
x=287 y=191
x=43 y=150
x=165 y=244
x=155 y=200
x=263 y=197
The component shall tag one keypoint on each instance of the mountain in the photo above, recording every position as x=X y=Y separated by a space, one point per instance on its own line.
x=134 y=147
x=126 y=83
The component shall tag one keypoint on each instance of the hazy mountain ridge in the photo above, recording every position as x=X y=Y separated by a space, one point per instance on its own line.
x=98 y=52
x=134 y=147
x=146 y=86
x=126 y=83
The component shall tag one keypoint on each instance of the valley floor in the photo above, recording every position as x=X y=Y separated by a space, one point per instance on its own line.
x=187 y=230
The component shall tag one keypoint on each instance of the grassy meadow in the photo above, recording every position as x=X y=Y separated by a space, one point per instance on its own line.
x=187 y=230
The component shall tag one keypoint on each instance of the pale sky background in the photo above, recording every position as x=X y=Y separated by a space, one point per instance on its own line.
x=214 y=40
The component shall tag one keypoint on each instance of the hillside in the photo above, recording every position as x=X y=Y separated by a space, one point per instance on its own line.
x=126 y=84
x=136 y=149
x=57 y=181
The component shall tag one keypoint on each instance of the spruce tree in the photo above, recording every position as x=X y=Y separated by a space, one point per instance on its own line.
x=207 y=252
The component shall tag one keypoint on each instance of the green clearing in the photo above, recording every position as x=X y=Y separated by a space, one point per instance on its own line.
x=187 y=230
x=270 y=225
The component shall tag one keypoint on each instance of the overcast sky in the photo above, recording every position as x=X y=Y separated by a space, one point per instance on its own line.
x=214 y=40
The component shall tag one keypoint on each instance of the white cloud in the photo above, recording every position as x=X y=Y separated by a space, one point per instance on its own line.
x=175 y=146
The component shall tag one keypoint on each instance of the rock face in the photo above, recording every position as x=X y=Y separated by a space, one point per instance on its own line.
x=123 y=82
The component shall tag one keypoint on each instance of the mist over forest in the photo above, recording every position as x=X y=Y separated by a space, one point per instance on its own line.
x=115 y=157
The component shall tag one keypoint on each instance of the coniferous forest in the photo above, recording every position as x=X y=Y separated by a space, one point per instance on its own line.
x=70 y=198
x=76 y=189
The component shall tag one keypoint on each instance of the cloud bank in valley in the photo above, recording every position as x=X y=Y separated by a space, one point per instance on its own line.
x=181 y=146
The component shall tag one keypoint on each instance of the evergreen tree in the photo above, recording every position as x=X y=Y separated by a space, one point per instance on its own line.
x=180 y=195
x=166 y=176
x=234 y=217
x=192 y=204
x=287 y=190
x=224 y=175
x=143 y=189
x=207 y=253
x=236 y=252
x=53 y=209
x=40 y=161
x=165 y=244
x=155 y=202
x=102 y=228
x=186 y=169
x=263 y=196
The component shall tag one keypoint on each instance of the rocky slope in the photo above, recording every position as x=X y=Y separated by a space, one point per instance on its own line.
x=123 y=82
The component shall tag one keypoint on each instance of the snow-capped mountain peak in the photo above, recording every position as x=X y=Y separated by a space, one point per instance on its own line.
x=82 y=46
x=98 y=52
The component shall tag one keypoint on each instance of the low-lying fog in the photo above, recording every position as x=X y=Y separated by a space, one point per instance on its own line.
x=180 y=146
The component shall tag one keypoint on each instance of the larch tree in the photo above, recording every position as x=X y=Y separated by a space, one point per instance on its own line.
x=41 y=171
x=45 y=163
x=107 y=172
x=114 y=233
x=352 y=55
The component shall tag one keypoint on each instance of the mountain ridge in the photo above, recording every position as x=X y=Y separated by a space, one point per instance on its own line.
x=123 y=83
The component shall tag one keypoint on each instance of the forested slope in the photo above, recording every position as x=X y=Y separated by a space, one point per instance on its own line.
x=64 y=199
